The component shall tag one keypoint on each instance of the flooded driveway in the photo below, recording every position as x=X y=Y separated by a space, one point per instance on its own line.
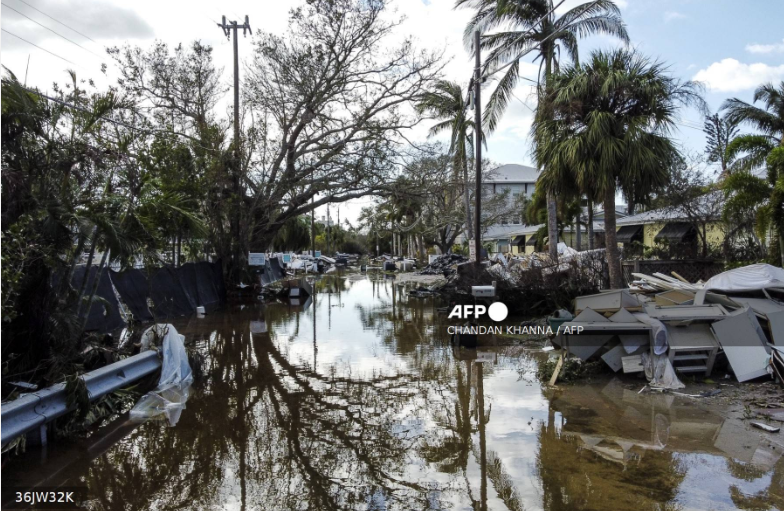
x=356 y=400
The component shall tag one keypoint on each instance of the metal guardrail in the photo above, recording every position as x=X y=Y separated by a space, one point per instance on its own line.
x=36 y=409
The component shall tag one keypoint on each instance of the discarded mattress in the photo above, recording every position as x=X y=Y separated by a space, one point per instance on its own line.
x=748 y=278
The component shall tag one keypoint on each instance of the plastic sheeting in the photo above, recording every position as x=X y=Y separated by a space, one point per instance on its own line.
x=168 y=399
x=748 y=278
x=660 y=337
x=660 y=373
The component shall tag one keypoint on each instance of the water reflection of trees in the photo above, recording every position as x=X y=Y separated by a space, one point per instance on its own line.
x=282 y=436
x=266 y=433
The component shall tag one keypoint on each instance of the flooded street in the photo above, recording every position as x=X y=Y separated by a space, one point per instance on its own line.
x=357 y=400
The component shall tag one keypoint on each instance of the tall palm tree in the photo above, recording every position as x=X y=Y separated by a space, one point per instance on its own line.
x=536 y=28
x=610 y=129
x=756 y=150
x=445 y=102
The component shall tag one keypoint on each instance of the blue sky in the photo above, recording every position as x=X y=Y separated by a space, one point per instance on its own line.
x=731 y=45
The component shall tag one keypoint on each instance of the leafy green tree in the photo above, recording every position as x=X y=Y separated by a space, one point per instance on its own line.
x=720 y=133
x=533 y=26
x=613 y=117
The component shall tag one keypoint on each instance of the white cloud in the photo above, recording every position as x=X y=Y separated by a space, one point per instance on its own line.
x=673 y=15
x=729 y=75
x=766 y=48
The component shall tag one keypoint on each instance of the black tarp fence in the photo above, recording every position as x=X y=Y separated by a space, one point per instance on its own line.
x=156 y=295
x=103 y=314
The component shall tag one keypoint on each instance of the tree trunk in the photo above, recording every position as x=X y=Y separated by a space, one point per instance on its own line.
x=469 y=225
x=611 y=239
x=781 y=246
x=552 y=207
x=179 y=249
x=704 y=241
x=65 y=284
x=578 y=234
x=90 y=257
x=590 y=225
x=552 y=226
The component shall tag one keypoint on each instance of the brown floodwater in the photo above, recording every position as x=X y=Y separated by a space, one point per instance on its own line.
x=356 y=400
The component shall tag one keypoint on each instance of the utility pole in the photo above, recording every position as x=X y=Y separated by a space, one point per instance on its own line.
x=312 y=228
x=478 y=149
x=227 y=28
x=329 y=231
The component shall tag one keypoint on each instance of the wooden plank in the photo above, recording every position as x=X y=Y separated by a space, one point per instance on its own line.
x=557 y=371
x=765 y=427
x=677 y=276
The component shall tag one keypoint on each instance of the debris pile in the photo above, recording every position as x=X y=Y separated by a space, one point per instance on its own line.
x=445 y=265
x=664 y=326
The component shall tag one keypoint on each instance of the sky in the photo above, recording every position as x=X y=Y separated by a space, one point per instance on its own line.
x=729 y=46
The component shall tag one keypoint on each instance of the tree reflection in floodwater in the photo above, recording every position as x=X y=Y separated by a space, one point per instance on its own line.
x=356 y=400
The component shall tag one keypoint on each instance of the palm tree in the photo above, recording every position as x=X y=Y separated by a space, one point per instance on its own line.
x=536 y=28
x=763 y=198
x=758 y=149
x=768 y=120
x=446 y=104
x=609 y=130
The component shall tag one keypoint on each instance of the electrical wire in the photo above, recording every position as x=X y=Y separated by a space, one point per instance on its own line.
x=58 y=21
x=44 y=49
x=50 y=30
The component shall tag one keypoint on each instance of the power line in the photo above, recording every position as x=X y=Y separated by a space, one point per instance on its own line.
x=58 y=21
x=44 y=49
x=50 y=30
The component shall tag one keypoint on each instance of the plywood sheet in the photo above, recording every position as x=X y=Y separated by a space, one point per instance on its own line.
x=685 y=312
x=610 y=300
x=613 y=358
x=694 y=336
x=776 y=327
x=590 y=316
x=760 y=305
x=632 y=364
x=739 y=336
x=623 y=316
x=584 y=346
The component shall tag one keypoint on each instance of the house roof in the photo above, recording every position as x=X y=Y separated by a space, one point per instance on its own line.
x=513 y=173
x=653 y=216
x=511 y=231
